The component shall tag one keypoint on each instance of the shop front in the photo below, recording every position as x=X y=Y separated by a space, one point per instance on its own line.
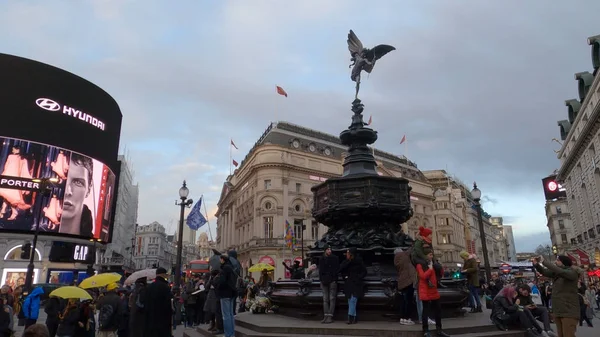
x=70 y=262
x=15 y=268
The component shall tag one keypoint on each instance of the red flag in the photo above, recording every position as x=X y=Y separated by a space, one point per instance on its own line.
x=233 y=144
x=235 y=163
x=403 y=139
x=281 y=91
x=370 y=120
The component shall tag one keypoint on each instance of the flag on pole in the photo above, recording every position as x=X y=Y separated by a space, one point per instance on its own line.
x=370 y=120
x=196 y=219
x=233 y=144
x=403 y=139
x=235 y=163
x=281 y=91
x=290 y=238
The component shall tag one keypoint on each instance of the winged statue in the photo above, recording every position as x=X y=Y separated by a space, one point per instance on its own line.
x=363 y=58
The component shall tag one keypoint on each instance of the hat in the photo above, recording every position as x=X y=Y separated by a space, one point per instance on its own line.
x=464 y=254
x=161 y=271
x=112 y=286
x=225 y=257
x=565 y=260
x=326 y=246
x=424 y=231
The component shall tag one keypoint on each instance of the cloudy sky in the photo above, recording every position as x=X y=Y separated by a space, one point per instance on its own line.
x=476 y=86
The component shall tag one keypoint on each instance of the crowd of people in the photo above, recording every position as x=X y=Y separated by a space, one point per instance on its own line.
x=156 y=309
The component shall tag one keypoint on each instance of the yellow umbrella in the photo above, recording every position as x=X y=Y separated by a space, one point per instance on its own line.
x=260 y=267
x=71 y=292
x=100 y=280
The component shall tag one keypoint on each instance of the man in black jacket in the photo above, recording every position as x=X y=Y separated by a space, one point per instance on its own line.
x=525 y=300
x=227 y=293
x=158 y=308
x=109 y=308
x=329 y=267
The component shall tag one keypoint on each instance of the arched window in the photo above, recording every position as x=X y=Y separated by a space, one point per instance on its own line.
x=15 y=254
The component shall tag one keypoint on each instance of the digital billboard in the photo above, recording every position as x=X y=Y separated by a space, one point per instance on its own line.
x=56 y=125
x=553 y=189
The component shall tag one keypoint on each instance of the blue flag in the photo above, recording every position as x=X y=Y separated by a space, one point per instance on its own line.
x=196 y=219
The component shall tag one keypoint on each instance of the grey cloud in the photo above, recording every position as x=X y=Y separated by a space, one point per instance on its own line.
x=477 y=87
x=528 y=243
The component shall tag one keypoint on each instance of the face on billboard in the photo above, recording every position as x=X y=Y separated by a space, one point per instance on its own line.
x=78 y=203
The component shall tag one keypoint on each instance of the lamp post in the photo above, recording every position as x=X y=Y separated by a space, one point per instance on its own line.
x=476 y=194
x=185 y=202
x=44 y=184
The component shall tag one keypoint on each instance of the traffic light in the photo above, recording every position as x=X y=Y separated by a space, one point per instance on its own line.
x=26 y=251
x=554 y=250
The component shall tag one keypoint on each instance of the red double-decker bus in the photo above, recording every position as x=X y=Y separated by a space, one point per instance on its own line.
x=197 y=267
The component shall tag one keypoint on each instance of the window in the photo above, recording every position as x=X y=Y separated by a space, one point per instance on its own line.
x=573 y=241
x=585 y=236
x=447 y=221
x=298 y=223
x=563 y=239
x=268 y=205
x=268 y=226
x=314 y=230
x=558 y=210
x=267 y=184
x=598 y=229
x=297 y=208
x=445 y=238
x=298 y=187
x=591 y=233
x=561 y=224
x=579 y=239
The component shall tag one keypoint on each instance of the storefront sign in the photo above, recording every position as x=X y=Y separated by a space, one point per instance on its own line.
x=71 y=252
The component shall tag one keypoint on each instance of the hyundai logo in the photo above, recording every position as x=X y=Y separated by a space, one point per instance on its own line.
x=47 y=104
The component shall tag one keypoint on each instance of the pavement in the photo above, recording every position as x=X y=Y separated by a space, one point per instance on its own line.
x=583 y=331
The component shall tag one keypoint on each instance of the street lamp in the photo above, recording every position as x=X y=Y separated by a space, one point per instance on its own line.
x=476 y=194
x=44 y=184
x=185 y=202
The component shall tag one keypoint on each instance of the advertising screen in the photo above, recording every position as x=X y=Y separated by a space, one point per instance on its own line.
x=552 y=189
x=56 y=125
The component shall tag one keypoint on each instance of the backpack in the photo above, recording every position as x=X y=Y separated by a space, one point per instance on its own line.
x=106 y=315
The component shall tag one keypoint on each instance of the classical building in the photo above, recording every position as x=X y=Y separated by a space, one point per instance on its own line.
x=119 y=253
x=272 y=185
x=205 y=246
x=151 y=247
x=579 y=169
x=562 y=232
x=510 y=243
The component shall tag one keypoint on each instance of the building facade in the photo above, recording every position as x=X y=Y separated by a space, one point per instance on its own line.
x=205 y=246
x=273 y=183
x=510 y=243
x=152 y=248
x=579 y=170
x=560 y=226
x=119 y=253
x=500 y=243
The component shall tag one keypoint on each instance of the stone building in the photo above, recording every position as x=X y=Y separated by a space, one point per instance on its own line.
x=510 y=243
x=151 y=247
x=562 y=232
x=272 y=185
x=579 y=170
x=205 y=246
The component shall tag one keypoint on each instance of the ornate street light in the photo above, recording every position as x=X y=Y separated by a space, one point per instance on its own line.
x=185 y=202
x=476 y=194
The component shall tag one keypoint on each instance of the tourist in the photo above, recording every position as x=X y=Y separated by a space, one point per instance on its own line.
x=429 y=294
x=5 y=319
x=211 y=306
x=264 y=280
x=584 y=305
x=239 y=282
x=406 y=278
x=296 y=271
x=136 y=308
x=353 y=271
x=36 y=330
x=418 y=256
x=565 y=300
x=329 y=267
x=471 y=271
x=70 y=319
x=526 y=301
x=31 y=306
x=507 y=310
x=227 y=292
x=590 y=295
x=53 y=307
x=190 y=299
x=158 y=308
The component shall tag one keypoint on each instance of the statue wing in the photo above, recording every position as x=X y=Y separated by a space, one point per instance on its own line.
x=378 y=52
x=354 y=44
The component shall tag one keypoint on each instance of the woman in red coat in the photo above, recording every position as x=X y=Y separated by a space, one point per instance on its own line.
x=429 y=295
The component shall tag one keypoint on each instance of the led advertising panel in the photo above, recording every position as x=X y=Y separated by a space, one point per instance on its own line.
x=56 y=125
x=552 y=189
